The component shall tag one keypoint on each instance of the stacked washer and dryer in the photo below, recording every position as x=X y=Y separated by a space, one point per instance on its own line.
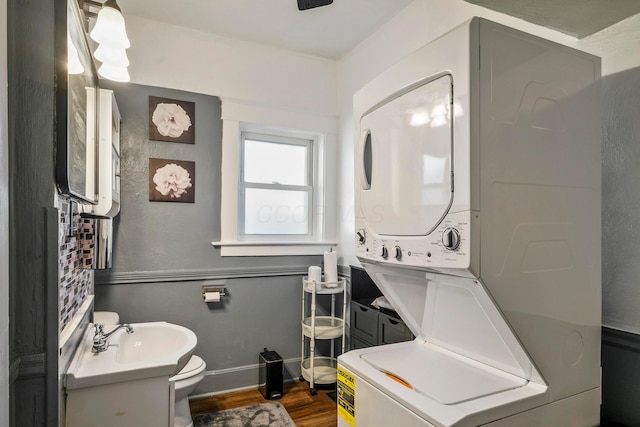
x=477 y=207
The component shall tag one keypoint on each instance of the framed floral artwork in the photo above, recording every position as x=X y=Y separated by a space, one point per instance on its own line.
x=172 y=120
x=172 y=180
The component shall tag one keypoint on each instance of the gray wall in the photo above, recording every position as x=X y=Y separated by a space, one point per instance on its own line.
x=4 y=228
x=257 y=313
x=153 y=236
x=163 y=254
x=32 y=288
x=621 y=201
x=621 y=247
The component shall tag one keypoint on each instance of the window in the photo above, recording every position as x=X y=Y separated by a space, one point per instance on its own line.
x=276 y=186
x=277 y=195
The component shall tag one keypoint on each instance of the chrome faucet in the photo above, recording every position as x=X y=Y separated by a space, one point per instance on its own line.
x=100 y=339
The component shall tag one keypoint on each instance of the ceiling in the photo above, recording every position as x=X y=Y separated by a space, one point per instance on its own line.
x=578 y=18
x=329 y=31
x=332 y=31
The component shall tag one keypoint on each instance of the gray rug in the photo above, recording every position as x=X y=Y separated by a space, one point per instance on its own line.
x=271 y=414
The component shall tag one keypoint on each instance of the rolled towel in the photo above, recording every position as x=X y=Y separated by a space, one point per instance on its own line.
x=382 y=302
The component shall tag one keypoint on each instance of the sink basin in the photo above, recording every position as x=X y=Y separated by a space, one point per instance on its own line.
x=150 y=342
x=153 y=349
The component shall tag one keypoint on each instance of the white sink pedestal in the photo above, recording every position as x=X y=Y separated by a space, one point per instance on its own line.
x=144 y=402
x=127 y=385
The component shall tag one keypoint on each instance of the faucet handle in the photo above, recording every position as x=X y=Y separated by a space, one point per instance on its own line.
x=99 y=339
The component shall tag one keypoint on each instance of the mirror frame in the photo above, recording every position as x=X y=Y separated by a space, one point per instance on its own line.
x=76 y=124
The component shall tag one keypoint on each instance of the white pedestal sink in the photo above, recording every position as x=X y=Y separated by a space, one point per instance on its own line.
x=128 y=384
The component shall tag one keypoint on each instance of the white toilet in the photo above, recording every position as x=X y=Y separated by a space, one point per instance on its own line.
x=185 y=381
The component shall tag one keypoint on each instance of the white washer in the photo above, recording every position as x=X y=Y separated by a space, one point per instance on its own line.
x=478 y=216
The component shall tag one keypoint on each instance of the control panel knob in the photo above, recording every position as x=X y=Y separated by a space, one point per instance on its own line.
x=451 y=239
x=397 y=252
x=383 y=252
x=361 y=237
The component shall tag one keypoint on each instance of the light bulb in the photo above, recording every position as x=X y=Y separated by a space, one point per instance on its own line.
x=110 y=29
x=419 y=118
x=439 y=110
x=457 y=110
x=111 y=56
x=73 y=60
x=117 y=74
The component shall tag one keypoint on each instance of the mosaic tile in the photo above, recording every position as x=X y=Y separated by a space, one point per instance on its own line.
x=75 y=283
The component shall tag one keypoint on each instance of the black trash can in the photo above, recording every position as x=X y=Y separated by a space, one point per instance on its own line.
x=270 y=374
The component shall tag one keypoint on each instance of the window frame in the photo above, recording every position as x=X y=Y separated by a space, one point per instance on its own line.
x=285 y=138
x=238 y=116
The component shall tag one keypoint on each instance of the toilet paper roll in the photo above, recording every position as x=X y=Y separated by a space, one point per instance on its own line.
x=315 y=274
x=211 y=296
x=331 y=268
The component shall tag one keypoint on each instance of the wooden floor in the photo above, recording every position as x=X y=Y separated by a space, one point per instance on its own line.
x=306 y=410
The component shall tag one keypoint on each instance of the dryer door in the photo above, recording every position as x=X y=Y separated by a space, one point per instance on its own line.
x=405 y=164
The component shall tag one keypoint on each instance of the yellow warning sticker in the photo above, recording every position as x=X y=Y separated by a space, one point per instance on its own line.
x=346 y=396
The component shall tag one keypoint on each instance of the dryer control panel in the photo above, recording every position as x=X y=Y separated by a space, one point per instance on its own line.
x=448 y=246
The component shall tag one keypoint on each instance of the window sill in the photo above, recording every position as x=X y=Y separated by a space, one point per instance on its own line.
x=272 y=248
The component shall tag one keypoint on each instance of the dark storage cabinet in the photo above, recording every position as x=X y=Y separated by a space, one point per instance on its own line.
x=392 y=330
x=364 y=322
x=371 y=326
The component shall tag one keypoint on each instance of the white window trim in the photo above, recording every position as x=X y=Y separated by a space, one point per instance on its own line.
x=310 y=187
x=238 y=117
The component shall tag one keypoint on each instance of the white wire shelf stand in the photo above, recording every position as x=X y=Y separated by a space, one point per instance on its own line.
x=318 y=367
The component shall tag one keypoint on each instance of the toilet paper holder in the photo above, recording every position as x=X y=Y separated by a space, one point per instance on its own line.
x=213 y=288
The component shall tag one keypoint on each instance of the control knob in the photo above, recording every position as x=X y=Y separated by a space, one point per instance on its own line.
x=383 y=252
x=361 y=237
x=397 y=252
x=451 y=239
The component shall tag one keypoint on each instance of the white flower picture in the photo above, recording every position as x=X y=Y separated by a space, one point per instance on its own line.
x=171 y=120
x=171 y=180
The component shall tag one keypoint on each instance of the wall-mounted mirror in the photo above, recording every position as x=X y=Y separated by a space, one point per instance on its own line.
x=76 y=108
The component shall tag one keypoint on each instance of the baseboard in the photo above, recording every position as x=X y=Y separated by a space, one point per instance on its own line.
x=240 y=378
x=621 y=339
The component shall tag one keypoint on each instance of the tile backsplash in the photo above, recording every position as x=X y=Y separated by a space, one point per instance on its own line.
x=74 y=282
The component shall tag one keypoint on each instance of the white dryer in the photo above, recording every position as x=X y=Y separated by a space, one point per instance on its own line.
x=478 y=215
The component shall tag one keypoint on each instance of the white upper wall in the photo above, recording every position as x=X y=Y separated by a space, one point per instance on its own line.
x=180 y=58
x=618 y=45
x=418 y=24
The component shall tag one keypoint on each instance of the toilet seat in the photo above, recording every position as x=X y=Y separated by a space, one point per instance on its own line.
x=194 y=366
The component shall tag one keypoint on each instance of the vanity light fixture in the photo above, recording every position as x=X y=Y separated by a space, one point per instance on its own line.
x=73 y=59
x=111 y=56
x=111 y=35
x=117 y=74
x=110 y=28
